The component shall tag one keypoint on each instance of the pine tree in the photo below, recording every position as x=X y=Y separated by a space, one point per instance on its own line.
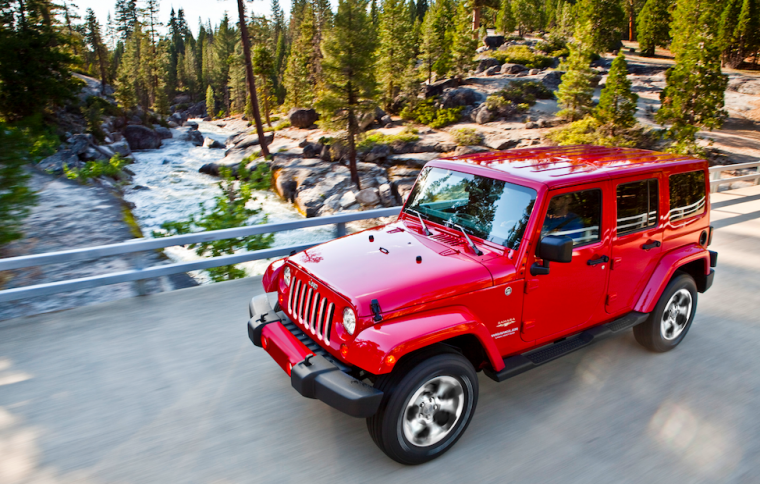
x=653 y=27
x=301 y=74
x=396 y=47
x=421 y=9
x=739 y=32
x=127 y=16
x=94 y=39
x=695 y=92
x=348 y=68
x=463 y=45
x=264 y=70
x=15 y=195
x=505 y=21
x=575 y=93
x=617 y=104
x=600 y=25
x=210 y=102
x=529 y=15
x=435 y=39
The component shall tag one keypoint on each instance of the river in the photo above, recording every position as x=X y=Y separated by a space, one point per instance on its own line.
x=167 y=187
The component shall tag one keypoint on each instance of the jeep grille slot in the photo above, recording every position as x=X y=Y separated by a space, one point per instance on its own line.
x=329 y=322
x=313 y=312
x=310 y=309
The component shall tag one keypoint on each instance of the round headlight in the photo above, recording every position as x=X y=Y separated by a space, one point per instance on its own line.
x=286 y=276
x=349 y=320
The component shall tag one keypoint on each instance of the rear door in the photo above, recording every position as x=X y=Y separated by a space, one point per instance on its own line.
x=572 y=293
x=637 y=239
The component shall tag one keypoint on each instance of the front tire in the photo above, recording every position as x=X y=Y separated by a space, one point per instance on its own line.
x=671 y=319
x=428 y=403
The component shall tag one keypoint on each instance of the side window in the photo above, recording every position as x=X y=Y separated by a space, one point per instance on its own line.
x=687 y=195
x=636 y=206
x=577 y=215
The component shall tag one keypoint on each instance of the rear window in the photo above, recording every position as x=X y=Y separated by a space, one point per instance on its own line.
x=636 y=206
x=687 y=195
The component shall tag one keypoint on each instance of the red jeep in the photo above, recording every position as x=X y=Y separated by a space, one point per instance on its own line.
x=498 y=262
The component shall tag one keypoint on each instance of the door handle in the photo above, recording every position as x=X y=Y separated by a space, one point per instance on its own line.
x=600 y=260
x=651 y=245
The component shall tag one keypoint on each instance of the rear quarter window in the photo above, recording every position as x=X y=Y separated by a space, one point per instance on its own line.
x=687 y=195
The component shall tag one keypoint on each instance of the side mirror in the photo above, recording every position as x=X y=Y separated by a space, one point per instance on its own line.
x=552 y=248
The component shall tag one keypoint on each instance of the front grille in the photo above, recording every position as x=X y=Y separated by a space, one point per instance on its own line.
x=312 y=345
x=310 y=309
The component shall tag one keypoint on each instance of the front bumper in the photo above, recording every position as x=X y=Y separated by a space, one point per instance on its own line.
x=311 y=373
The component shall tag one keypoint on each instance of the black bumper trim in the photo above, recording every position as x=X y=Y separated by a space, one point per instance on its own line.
x=321 y=377
x=324 y=381
x=708 y=280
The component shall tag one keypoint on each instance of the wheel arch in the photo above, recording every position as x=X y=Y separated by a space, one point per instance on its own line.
x=692 y=259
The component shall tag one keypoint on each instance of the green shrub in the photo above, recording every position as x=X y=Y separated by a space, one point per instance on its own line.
x=523 y=55
x=590 y=131
x=522 y=107
x=277 y=127
x=495 y=102
x=426 y=113
x=93 y=169
x=552 y=44
x=373 y=138
x=513 y=38
x=260 y=178
x=466 y=136
x=525 y=92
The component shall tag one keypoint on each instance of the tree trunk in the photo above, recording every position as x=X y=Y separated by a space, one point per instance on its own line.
x=475 y=22
x=250 y=80
x=631 y=29
x=353 y=128
x=103 y=74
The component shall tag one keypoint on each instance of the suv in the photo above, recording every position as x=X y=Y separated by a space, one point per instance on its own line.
x=498 y=262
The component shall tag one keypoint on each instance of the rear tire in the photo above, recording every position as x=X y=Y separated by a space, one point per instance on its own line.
x=428 y=403
x=671 y=319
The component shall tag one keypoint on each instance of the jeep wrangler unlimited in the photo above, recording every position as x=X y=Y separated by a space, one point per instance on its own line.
x=498 y=262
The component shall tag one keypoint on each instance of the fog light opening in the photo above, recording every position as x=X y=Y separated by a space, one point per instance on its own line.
x=344 y=350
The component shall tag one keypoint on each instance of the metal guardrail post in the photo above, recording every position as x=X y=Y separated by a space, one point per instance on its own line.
x=340 y=230
x=138 y=258
x=714 y=176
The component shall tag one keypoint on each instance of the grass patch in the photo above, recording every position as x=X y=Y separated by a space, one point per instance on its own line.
x=523 y=55
x=131 y=222
x=466 y=136
x=278 y=127
x=374 y=138
x=425 y=112
x=93 y=169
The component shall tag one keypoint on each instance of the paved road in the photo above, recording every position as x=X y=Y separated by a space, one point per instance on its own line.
x=168 y=389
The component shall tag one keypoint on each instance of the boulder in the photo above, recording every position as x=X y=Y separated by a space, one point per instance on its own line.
x=493 y=41
x=172 y=124
x=482 y=115
x=552 y=80
x=386 y=195
x=386 y=120
x=437 y=88
x=462 y=96
x=513 y=69
x=401 y=188
x=79 y=143
x=468 y=150
x=212 y=144
x=534 y=72
x=312 y=150
x=164 y=133
x=193 y=136
x=500 y=142
x=247 y=141
x=379 y=114
x=121 y=147
x=54 y=164
x=348 y=199
x=190 y=124
x=493 y=71
x=197 y=109
x=142 y=138
x=365 y=120
x=417 y=160
x=486 y=63
x=302 y=117
x=368 y=197
x=745 y=86
x=377 y=153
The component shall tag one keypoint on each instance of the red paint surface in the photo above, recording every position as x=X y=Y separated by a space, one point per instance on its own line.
x=283 y=347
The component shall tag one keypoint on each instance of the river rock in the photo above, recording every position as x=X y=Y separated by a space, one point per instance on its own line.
x=552 y=80
x=121 y=147
x=190 y=124
x=500 y=142
x=212 y=144
x=368 y=197
x=437 y=88
x=482 y=115
x=164 y=133
x=142 y=138
x=79 y=143
x=468 y=150
x=377 y=153
x=513 y=69
x=401 y=188
x=745 y=86
x=386 y=120
x=386 y=195
x=54 y=164
x=302 y=117
x=493 y=71
x=193 y=136
x=348 y=199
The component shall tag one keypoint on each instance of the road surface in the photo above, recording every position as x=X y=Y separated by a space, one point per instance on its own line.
x=168 y=389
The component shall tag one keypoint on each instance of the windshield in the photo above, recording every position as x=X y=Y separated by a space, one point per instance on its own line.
x=493 y=210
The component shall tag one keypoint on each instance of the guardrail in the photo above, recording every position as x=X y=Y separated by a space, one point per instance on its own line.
x=716 y=171
x=141 y=273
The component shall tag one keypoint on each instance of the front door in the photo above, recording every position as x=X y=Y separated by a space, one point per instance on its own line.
x=572 y=293
x=636 y=243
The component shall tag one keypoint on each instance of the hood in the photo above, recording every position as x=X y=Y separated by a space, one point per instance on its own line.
x=386 y=269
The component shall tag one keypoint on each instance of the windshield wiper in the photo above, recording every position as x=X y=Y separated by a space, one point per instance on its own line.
x=472 y=244
x=422 y=222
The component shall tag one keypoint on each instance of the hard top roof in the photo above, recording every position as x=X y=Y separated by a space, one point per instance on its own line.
x=567 y=165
